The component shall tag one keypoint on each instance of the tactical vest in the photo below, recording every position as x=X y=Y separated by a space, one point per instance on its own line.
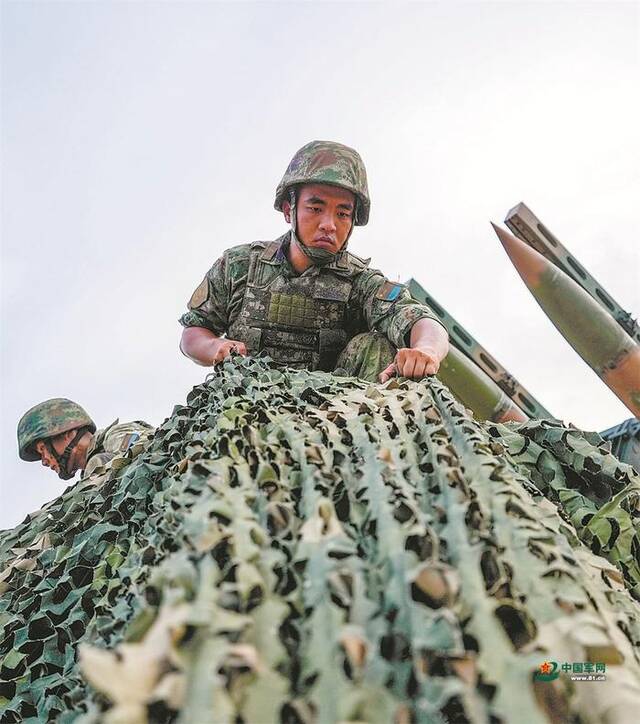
x=300 y=321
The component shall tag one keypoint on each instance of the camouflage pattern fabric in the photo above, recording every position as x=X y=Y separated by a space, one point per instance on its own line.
x=293 y=546
x=365 y=356
x=374 y=303
x=48 y=419
x=299 y=321
x=327 y=162
x=112 y=442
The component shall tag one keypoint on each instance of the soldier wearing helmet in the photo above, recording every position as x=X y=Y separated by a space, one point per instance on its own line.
x=62 y=435
x=304 y=299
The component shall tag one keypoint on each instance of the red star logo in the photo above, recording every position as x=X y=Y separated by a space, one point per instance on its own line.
x=545 y=668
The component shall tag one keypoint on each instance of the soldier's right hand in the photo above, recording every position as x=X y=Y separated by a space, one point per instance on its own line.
x=222 y=348
x=206 y=348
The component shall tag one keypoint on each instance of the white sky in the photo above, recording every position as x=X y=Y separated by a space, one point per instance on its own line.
x=139 y=140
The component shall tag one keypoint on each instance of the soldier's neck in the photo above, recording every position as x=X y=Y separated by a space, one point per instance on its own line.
x=81 y=452
x=297 y=258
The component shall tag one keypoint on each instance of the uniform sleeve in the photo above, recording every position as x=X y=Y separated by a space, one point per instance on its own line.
x=388 y=307
x=218 y=292
x=208 y=306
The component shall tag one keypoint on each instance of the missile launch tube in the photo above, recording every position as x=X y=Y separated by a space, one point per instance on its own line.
x=526 y=226
x=476 y=390
x=590 y=330
x=480 y=356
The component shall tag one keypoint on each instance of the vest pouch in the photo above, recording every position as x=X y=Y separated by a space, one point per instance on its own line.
x=252 y=338
x=330 y=343
x=291 y=349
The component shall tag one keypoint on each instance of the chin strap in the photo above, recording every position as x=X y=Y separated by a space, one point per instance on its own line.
x=63 y=459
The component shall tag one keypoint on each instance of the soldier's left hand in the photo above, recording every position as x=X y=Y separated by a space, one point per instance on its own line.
x=414 y=363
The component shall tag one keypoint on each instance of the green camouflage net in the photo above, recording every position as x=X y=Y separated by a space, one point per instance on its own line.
x=594 y=490
x=297 y=547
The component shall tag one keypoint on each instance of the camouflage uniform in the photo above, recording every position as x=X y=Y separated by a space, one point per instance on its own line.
x=114 y=441
x=253 y=294
x=316 y=319
x=59 y=415
x=106 y=451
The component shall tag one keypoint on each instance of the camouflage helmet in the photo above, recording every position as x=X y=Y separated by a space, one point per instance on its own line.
x=327 y=162
x=49 y=418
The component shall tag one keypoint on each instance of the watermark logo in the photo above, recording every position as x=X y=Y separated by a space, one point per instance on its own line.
x=548 y=671
x=576 y=670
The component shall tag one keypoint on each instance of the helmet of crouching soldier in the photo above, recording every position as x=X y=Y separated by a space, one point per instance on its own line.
x=48 y=419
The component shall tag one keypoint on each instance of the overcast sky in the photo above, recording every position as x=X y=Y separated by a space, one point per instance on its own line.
x=139 y=140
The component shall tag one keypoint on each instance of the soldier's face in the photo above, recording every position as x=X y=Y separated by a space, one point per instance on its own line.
x=59 y=443
x=324 y=216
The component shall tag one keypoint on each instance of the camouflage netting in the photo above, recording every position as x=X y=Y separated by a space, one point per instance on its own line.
x=297 y=547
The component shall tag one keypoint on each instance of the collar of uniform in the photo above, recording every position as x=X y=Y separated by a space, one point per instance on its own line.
x=340 y=263
x=283 y=247
x=275 y=252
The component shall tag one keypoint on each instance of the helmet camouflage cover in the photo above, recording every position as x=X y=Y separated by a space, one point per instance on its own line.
x=49 y=418
x=327 y=162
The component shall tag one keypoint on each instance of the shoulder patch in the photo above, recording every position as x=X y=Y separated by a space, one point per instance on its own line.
x=128 y=441
x=201 y=294
x=389 y=291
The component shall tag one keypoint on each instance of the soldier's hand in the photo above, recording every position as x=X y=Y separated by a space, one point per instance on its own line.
x=222 y=348
x=414 y=363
